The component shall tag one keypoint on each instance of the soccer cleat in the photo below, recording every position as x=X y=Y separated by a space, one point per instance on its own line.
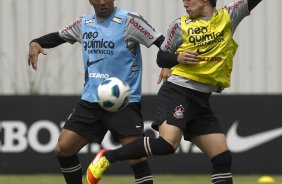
x=97 y=167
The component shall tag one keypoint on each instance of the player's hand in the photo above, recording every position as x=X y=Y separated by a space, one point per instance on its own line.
x=34 y=50
x=188 y=57
x=164 y=75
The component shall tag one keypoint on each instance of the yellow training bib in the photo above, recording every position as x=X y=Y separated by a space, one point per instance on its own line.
x=212 y=40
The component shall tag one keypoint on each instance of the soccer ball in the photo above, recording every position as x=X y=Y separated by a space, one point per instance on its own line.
x=113 y=94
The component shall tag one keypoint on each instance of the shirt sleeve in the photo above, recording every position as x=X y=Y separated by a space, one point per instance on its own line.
x=252 y=4
x=50 y=40
x=166 y=59
x=238 y=10
x=72 y=32
x=139 y=30
x=174 y=37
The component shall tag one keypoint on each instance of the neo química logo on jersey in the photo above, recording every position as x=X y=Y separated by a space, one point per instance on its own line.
x=93 y=45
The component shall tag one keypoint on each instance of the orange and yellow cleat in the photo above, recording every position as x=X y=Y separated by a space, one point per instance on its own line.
x=97 y=167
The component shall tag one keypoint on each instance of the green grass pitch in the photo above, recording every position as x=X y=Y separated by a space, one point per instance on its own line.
x=128 y=179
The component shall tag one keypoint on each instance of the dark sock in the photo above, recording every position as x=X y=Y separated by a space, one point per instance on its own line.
x=222 y=168
x=141 y=147
x=71 y=169
x=142 y=173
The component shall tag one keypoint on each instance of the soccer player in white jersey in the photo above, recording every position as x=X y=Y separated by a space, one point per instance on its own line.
x=110 y=39
x=204 y=43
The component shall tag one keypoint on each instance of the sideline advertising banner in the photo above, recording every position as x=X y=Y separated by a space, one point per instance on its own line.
x=30 y=125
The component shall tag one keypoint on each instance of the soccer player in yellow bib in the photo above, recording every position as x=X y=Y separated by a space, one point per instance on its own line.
x=204 y=48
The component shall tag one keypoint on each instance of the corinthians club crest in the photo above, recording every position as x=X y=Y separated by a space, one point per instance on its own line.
x=178 y=114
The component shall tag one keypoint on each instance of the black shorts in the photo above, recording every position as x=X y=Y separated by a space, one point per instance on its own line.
x=91 y=121
x=187 y=109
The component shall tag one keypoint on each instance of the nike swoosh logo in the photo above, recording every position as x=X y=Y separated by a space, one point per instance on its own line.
x=239 y=144
x=94 y=62
x=203 y=52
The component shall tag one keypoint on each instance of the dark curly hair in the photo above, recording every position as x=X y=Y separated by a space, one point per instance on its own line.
x=213 y=3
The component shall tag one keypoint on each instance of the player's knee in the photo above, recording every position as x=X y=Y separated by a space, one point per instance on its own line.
x=61 y=150
x=58 y=151
x=222 y=161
